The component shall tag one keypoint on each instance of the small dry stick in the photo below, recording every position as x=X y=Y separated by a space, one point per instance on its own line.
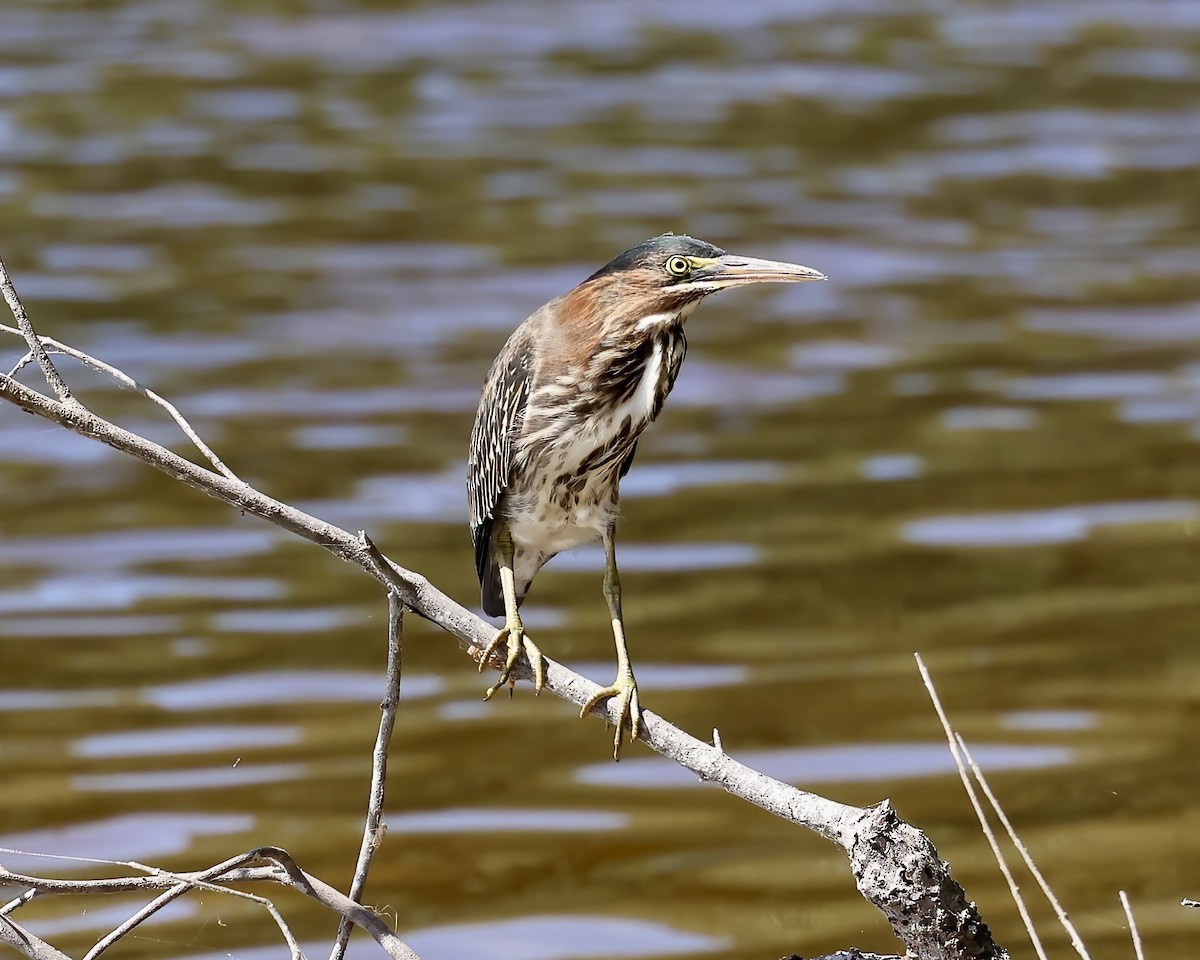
x=17 y=902
x=1063 y=919
x=374 y=829
x=49 y=371
x=177 y=891
x=54 y=346
x=1133 y=930
x=188 y=882
x=1013 y=888
x=282 y=869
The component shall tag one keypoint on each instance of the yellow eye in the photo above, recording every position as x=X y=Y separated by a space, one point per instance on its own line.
x=679 y=267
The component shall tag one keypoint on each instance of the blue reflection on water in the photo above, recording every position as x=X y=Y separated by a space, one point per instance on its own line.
x=851 y=763
x=489 y=819
x=200 y=778
x=170 y=741
x=1050 y=720
x=281 y=687
x=669 y=557
x=141 y=836
x=558 y=938
x=1035 y=527
x=109 y=917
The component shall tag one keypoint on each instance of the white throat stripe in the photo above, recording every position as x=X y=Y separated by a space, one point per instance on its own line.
x=656 y=320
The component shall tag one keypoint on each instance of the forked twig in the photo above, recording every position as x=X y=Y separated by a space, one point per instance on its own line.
x=375 y=828
x=50 y=345
x=283 y=869
x=49 y=371
x=951 y=739
x=1063 y=919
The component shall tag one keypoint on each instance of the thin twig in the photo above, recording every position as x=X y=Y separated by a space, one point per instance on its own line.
x=177 y=891
x=145 y=912
x=951 y=739
x=49 y=371
x=1063 y=919
x=291 y=875
x=374 y=830
x=17 y=902
x=54 y=346
x=195 y=881
x=1133 y=929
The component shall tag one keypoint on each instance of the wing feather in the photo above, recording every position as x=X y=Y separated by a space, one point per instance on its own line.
x=497 y=424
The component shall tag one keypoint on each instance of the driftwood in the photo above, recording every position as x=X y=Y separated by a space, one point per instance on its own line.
x=895 y=865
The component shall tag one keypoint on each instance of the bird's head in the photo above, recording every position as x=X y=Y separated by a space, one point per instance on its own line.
x=669 y=274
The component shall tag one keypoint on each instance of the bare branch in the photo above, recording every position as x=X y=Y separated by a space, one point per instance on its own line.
x=54 y=346
x=375 y=828
x=49 y=371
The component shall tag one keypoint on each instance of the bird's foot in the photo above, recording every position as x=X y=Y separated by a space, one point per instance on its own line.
x=629 y=711
x=514 y=635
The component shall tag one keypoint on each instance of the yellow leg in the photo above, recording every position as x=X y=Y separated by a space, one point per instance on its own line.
x=625 y=686
x=513 y=632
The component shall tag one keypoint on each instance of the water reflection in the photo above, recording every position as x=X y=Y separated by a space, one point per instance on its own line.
x=1059 y=525
x=109 y=917
x=142 y=836
x=821 y=765
x=530 y=938
x=281 y=687
x=481 y=820
x=195 y=779
x=562 y=937
x=176 y=740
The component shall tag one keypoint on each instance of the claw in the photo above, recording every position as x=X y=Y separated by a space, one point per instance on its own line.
x=518 y=643
x=498 y=639
x=629 y=710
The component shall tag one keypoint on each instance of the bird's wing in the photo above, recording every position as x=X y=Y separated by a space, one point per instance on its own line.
x=501 y=411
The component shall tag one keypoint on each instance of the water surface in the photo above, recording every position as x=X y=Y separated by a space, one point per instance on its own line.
x=313 y=225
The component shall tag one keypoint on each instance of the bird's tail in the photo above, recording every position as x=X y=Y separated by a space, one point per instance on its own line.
x=492 y=594
x=491 y=591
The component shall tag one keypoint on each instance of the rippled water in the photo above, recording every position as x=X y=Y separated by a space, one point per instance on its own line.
x=312 y=225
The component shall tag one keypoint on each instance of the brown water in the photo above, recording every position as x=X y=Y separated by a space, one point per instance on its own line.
x=313 y=224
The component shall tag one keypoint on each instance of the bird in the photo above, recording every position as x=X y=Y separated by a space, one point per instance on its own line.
x=559 y=418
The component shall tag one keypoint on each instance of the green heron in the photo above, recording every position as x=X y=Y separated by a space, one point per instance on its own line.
x=558 y=425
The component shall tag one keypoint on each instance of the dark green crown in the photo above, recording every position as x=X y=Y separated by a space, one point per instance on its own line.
x=657 y=251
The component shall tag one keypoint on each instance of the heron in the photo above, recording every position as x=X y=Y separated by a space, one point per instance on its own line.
x=558 y=424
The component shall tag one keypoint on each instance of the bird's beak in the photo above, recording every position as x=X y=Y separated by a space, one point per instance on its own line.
x=727 y=271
